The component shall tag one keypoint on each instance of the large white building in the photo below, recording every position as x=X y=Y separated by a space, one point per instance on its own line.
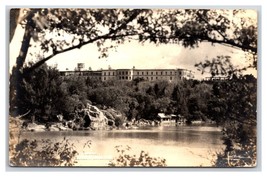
x=131 y=74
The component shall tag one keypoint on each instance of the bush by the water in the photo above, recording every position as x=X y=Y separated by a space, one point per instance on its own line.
x=125 y=159
x=242 y=155
x=43 y=153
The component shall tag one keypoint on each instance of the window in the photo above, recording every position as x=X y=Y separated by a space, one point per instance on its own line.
x=119 y=72
x=129 y=78
x=142 y=73
x=126 y=77
x=113 y=73
x=122 y=72
x=146 y=73
x=104 y=78
x=161 y=72
x=151 y=73
x=122 y=77
x=170 y=78
x=156 y=78
x=171 y=73
x=147 y=78
x=109 y=73
x=166 y=73
x=137 y=73
x=104 y=73
x=156 y=73
x=151 y=78
x=119 y=77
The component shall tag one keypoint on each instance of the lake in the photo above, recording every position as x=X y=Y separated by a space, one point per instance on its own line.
x=181 y=146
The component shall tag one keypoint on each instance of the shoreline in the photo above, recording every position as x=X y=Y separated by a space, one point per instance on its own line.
x=58 y=127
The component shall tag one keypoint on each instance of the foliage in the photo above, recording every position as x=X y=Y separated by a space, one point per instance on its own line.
x=226 y=94
x=124 y=159
x=80 y=27
x=38 y=152
x=39 y=92
x=29 y=153
x=134 y=100
x=198 y=101
x=243 y=155
x=233 y=106
x=39 y=88
x=189 y=27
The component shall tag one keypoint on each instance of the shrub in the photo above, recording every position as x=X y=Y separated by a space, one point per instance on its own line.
x=43 y=153
x=241 y=155
x=124 y=159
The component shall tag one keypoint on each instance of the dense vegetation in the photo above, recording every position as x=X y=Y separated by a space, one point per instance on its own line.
x=232 y=104
x=44 y=152
x=46 y=94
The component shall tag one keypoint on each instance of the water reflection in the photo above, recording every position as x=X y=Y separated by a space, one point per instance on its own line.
x=180 y=145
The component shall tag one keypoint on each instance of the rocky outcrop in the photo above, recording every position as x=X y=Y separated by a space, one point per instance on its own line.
x=115 y=118
x=88 y=118
x=95 y=118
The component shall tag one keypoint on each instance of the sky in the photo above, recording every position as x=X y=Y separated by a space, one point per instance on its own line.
x=142 y=56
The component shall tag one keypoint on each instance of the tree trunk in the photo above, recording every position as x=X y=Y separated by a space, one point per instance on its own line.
x=16 y=79
x=25 y=43
x=14 y=15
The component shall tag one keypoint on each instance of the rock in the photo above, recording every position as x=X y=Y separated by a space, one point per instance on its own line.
x=58 y=127
x=53 y=128
x=98 y=120
x=108 y=115
x=36 y=127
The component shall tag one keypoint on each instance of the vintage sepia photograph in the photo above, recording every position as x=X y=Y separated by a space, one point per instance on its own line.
x=126 y=87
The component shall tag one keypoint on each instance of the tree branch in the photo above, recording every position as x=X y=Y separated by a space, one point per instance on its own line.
x=109 y=35
x=229 y=43
x=225 y=41
x=207 y=22
x=207 y=39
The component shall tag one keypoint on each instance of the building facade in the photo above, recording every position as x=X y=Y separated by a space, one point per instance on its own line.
x=131 y=74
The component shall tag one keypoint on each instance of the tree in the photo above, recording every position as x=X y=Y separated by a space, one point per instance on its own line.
x=81 y=26
x=40 y=93
x=188 y=27
x=228 y=27
x=233 y=106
